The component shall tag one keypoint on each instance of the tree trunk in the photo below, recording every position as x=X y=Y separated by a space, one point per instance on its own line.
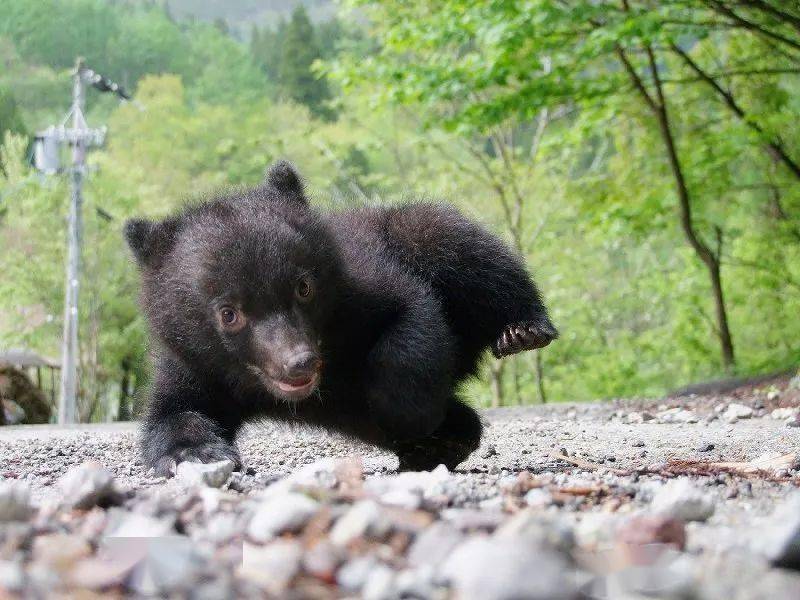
x=496 y=376
x=658 y=106
x=723 y=331
x=540 y=378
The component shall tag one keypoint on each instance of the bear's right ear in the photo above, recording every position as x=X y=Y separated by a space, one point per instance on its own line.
x=150 y=240
x=285 y=179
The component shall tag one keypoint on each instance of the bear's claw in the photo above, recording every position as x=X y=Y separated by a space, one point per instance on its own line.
x=525 y=335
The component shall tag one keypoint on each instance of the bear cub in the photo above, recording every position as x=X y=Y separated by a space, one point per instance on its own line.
x=363 y=321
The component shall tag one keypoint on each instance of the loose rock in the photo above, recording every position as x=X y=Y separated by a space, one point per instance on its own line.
x=88 y=485
x=682 y=500
x=502 y=569
x=279 y=514
x=14 y=501
x=214 y=474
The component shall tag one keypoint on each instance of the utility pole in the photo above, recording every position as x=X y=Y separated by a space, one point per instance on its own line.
x=69 y=345
x=75 y=133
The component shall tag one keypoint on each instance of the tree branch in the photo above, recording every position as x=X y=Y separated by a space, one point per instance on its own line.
x=773 y=146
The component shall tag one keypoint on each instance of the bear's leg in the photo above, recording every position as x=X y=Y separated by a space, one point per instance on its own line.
x=487 y=293
x=450 y=444
x=178 y=426
x=409 y=370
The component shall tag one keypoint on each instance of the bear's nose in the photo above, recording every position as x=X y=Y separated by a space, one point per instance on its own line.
x=301 y=365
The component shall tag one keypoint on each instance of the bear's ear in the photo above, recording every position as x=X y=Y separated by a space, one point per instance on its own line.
x=284 y=178
x=150 y=240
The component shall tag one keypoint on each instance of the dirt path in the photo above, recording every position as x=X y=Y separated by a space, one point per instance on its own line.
x=591 y=473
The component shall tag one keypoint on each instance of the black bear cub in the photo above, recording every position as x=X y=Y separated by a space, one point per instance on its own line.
x=363 y=321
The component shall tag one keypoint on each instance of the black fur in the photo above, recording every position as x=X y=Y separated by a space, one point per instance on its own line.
x=396 y=304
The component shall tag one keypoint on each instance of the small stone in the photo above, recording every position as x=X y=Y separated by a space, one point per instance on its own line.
x=538 y=497
x=322 y=560
x=473 y=519
x=499 y=569
x=214 y=474
x=379 y=583
x=12 y=577
x=793 y=422
x=638 y=443
x=677 y=415
x=489 y=452
x=434 y=545
x=88 y=485
x=705 y=447
x=124 y=524
x=170 y=564
x=781 y=414
x=321 y=473
x=60 y=550
x=779 y=540
x=735 y=411
x=362 y=518
x=271 y=567
x=679 y=498
x=539 y=529
x=353 y=574
x=284 y=513
x=14 y=501
x=646 y=530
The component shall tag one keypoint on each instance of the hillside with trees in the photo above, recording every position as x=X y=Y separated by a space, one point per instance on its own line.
x=644 y=157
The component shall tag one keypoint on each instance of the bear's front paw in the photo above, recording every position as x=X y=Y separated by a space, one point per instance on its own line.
x=203 y=453
x=525 y=335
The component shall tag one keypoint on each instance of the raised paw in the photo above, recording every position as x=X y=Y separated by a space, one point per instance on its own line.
x=204 y=453
x=525 y=335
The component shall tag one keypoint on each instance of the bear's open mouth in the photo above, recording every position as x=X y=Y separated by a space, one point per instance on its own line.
x=299 y=387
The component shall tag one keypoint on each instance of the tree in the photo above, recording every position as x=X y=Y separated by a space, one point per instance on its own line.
x=471 y=65
x=299 y=51
x=10 y=117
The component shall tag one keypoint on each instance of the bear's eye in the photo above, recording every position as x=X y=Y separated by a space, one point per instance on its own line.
x=230 y=318
x=304 y=291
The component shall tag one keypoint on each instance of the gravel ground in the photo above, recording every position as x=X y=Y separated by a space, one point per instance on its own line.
x=679 y=498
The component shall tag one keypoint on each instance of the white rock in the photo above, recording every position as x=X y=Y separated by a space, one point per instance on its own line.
x=15 y=501
x=169 y=564
x=86 y=485
x=538 y=497
x=271 y=567
x=782 y=414
x=677 y=415
x=434 y=544
x=124 y=524
x=735 y=411
x=408 y=499
x=779 y=541
x=505 y=569
x=362 y=518
x=279 y=514
x=12 y=577
x=543 y=530
x=321 y=473
x=681 y=499
x=379 y=584
x=353 y=574
x=425 y=484
x=213 y=474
